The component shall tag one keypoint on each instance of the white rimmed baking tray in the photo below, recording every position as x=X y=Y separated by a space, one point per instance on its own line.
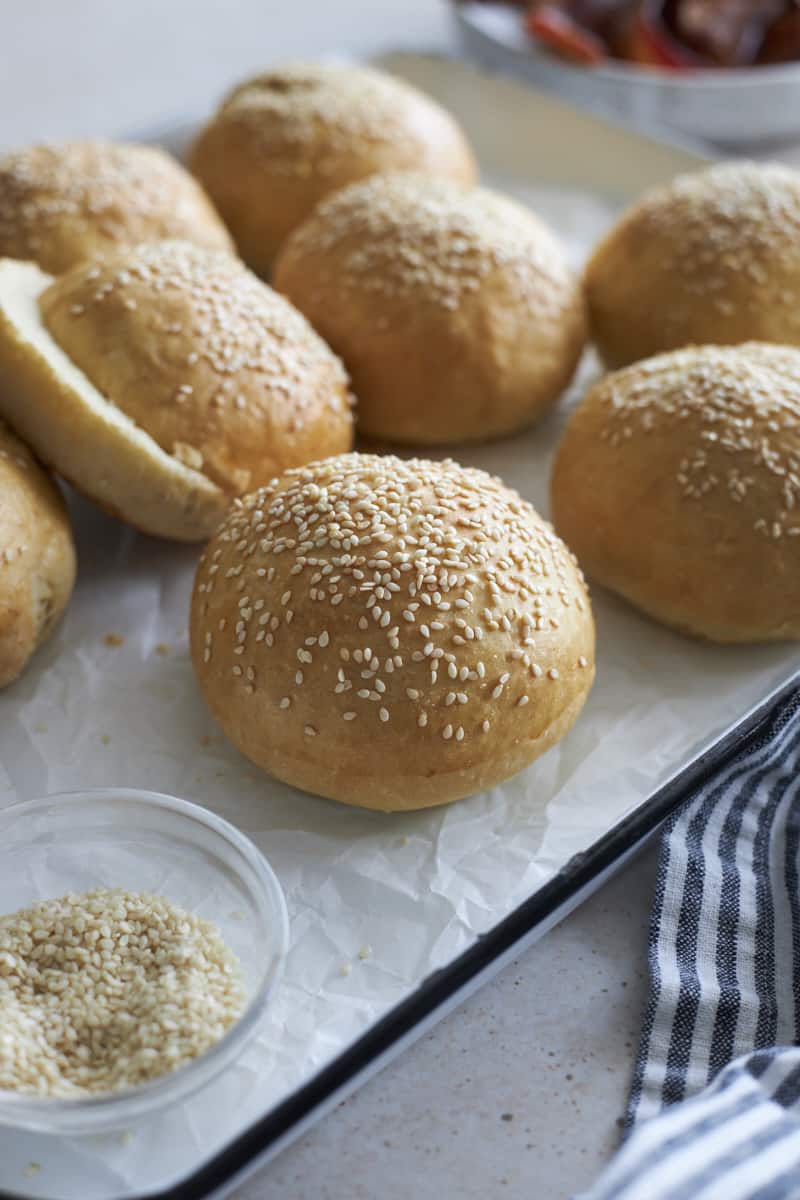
x=393 y=917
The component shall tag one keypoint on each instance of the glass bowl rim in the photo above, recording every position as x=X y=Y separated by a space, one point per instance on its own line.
x=106 y=1108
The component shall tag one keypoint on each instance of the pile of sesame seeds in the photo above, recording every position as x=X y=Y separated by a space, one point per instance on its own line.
x=728 y=226
x=91 y=181
x=406 y=236
x=230 y=343
x=742 y=407
x=106 y=990
x=382 y=588
x=285 y=113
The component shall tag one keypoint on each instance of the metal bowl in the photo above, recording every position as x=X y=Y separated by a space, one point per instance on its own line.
x=745 y=109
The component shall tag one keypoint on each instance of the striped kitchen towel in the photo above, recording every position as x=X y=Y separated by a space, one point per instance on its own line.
x=714 y=1110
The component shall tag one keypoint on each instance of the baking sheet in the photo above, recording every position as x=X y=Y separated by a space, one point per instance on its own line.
x=377 y=902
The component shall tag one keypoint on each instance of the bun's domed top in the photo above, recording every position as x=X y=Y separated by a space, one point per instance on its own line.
x=215 y=366
x=62 y=203
x=713 y=257
x=390 y=633
x=282 y=141
x=454 y=309
x=343 y=110
x=678 y=485
x=411 y=238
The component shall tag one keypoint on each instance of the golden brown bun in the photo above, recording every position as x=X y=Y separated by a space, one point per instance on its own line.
x=282 y=141
x=677 y=484
x=37 y=556
x=454 y=310
x=215 y=382
x=390 y=634
x=710 y=258
x=64 y=203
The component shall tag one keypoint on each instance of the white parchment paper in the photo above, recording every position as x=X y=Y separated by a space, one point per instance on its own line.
x=376 y=901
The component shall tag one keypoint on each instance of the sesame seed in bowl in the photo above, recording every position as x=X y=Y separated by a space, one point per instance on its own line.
x=141 y=941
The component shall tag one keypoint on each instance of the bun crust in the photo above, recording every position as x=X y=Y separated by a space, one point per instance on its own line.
x=712 y=258
x=37 y=559
x=164 y=380
x=63 y=203
x=282 y=141
x=454 y=310
x=391 y=634
x=677 y=484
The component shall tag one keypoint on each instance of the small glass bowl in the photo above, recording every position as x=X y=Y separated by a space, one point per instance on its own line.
x=144 y=842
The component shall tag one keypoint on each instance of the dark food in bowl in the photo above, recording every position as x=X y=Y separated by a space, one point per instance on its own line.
x=671 y=34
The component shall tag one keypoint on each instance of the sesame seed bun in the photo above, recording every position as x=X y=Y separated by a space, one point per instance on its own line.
x=454 y=310
x=677 y=484
x=60 y=204
x=37 y=556
x=712 y=258
x=282 y=141
x=391 y=634
x=165 y=380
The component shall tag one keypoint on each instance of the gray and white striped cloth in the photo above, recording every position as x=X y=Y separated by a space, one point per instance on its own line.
x=714 y=1110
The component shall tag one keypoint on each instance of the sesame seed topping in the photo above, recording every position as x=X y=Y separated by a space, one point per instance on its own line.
x=392 y=232
x=84 y=189
x=401 y=535
x=736 y=411
x=245 y=336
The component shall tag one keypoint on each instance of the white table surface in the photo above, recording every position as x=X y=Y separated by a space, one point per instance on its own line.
x=519 y=1092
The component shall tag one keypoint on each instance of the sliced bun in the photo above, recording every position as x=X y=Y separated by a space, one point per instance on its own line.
x=677 y=484
x=164 y=380
x=282 y=141
x=455 y=310
x=62 y=203
x=37 y=556
x=712 y=258
x=391 y=634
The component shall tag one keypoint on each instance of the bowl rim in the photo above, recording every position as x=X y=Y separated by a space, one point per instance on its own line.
x=759 y=75
x=106 y=1108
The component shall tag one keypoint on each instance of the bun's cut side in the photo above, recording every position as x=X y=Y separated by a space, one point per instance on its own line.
x=391 y=634
x=87 y=439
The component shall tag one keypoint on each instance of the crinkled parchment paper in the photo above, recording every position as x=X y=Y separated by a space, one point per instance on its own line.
x=415 y=889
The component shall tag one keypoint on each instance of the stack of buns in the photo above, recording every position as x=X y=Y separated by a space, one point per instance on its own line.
x=349 y=606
